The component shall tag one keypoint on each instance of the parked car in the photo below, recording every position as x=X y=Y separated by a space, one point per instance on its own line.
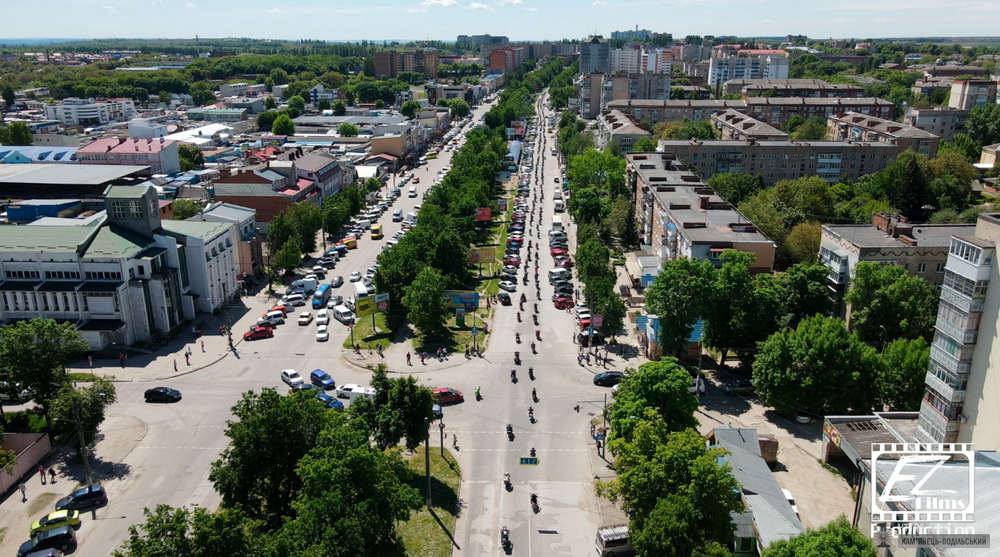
x=55 y=519
x=504 y=298
x=280 y=307
x=258 y=332
x=355 y=276
x=162 y=394
x=447 y=395
x=337 y=281
x=563 y=302
x=62 y=538
x=86 y=498
x=305 y=318
x=329 y=401
x=322 y=333
x=291 y=377
x=322 y=379
x=509 y=286
x=608 y=378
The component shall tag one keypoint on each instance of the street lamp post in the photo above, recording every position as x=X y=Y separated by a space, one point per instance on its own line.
x=441 y=429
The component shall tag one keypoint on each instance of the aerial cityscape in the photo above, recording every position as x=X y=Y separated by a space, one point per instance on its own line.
x=272 y=285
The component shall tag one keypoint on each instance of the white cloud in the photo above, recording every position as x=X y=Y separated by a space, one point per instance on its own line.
x=110 y=9
x=191 y=5
x=438 y=3
x=511 y=2
x=480 y=6
x=599 y=3
x=275 y=11
x=530 y=9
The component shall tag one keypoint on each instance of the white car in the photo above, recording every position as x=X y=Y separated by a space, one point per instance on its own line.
x=584 y=314
x=345 y=390
x=322 y=334
x=355 y=276
x=291 y=377
x=508 y=285
x=581 y=308
x=323 y=319
x=305 y=318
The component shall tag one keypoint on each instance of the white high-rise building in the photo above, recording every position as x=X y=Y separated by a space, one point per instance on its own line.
x=625 y=60
x=88 y=112
x=656 y=60
x=732 y=62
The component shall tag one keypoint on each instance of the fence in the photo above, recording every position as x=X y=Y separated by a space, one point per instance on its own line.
x=30 y=448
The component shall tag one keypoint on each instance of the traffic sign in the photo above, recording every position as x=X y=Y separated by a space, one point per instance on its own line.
x=529 y=460
x=382 y=301
x=475 y=331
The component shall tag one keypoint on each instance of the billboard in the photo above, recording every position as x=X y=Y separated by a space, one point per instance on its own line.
x=484 y=214
x=466 y=299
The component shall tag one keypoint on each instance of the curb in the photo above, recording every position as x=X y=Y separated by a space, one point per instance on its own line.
x=180 y=373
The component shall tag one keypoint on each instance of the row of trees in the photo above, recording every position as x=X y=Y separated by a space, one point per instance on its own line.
x=593 y=266
x=299 y=479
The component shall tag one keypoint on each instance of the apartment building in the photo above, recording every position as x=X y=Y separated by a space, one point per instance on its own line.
x=160 y=155
x=506 y=59
x=852 y=126
x=778 y=110
x=634 y=86
x=476 y=41
x=595 y=55
x=734 y=125
x=942 y=122
x=734 y=62
x=962 y=385
x=390 y=63
x=632 y=35
x=625 y=60
x=89 y=112
x=921 y=249
x=249 y=242
x=618 y=129
x=242 y=89
x=967 y=94
x=678 y=215
x=790 y=88
x=123 y=277
x=833 y=161
x=591 y=93
x=651 y=112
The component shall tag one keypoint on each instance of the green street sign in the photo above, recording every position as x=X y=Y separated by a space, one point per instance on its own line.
x=529 y=460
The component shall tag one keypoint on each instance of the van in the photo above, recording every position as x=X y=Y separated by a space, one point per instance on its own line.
x=557 y=222
x=305 y=285
x=411 y=218
x=412 y=192
x=322 y=317
x=557 y=194
x=272 y=318
x=397 y=215
x=558 y=274
x=613 y=541
x=559 y=206
x=344 y=315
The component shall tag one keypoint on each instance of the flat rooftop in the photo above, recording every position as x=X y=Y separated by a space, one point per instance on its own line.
x=926 y=235
x=57 y=174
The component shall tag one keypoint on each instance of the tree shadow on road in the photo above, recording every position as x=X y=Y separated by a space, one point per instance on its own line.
x=101 y=469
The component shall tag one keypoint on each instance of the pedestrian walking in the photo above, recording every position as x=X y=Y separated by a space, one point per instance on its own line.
x=24 y=492
x=52 y=474
x=408 y=359
x=90 y=361
x=175 y=365
x=41 y=473
x=187 y=358
x=121 y=359
x=203 y=346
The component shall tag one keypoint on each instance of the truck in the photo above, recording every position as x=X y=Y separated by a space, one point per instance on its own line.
x=305 y=285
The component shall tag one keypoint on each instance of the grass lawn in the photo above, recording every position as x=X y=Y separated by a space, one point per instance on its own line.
x=422 y=534
x=82 y=376
x=365 y=336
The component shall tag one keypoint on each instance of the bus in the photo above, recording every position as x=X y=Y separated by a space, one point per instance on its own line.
x=376 y=231
x=321 y=296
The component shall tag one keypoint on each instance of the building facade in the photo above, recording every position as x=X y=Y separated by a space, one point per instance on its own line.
x=833 y=161
x=390 y=63
x=595 y=55
x=618 y=129
x=778 y=110
x=962 y=385
x=678 y=215
x=734 y=125
x=942 y=122
x=732 y=62
x=790 y=88
x=967 y=94
x=160 y=155
x=852 y=126
x=651 y=112
x=88 y=112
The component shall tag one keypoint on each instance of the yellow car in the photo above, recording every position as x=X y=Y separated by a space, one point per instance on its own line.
x=56 y=519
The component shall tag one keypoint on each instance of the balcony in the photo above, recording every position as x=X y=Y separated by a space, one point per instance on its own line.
x=937 y=421
x=946 y=391
x=949 y=362
x=961 y=301
x=957 y=332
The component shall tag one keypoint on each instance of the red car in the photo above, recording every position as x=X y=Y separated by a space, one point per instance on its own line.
x=512 y=260
x=563 y=261
x=584 y=323
x=258 y=332
x=558 y=251
x=282 y=308
x=447 y=395
x=563 y=302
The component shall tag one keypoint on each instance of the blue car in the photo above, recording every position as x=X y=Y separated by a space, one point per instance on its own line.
x=322 y=379
x=329 y=401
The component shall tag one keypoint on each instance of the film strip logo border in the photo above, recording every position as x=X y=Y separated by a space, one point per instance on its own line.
x=962 y=449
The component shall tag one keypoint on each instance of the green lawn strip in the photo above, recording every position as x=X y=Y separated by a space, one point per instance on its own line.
x=365 y=336
x=82 y=376
x=422 y=535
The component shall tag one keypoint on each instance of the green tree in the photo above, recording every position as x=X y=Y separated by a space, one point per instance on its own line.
x=963 y=144
x=681 y=294
x=410 y=109
x=644 y=145
x=592 y=259
x=688 y=129
x=662 y=386
x=286 y=258
x=91 y=400
x=734 y=187
x=194 y=532
x=339 y=108
x=353 y=497
x=191 y=157
x=323 y=104
x=889 y=303
x=804 y=293
x=459 y=108
x=201 y=93
x=812 y=129
x=983 y=124
x=425 y=303
x=8 y=96
x=817 y=367
x=400 y=409
x=268 y=436
x=836 y=539
x=297 y=103
x=265 y=120
x=677 y=494
x=777 y=209
x=184 y=209
x=347 y=130
x=732 y=320
x=18 y=134
x=901 y=376
x=279 y=76
x=270 y=103
x=802 y=242
x=35 y=353
x=283 y=125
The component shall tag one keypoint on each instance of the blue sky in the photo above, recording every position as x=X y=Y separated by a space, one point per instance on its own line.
x=518 y=19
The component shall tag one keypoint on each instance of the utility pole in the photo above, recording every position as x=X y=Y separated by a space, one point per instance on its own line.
x=441 y=428
x=427 y=463
x=84 y=453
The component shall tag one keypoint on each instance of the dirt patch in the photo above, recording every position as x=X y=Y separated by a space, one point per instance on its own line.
x=40 y=504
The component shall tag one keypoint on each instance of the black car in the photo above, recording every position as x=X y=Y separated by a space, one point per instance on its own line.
x=608 y=378
x=337 y=281
x=162 y=394
x=504 y=298
x=564 y=289
x=86 y=498
x=62 y=538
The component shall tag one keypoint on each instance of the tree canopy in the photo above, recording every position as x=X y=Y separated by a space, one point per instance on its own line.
x=662 y=386
x=889 y=303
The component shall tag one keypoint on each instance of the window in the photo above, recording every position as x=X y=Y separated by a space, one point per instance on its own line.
x=965 y=251
x=922 y=268
x=939 y=268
